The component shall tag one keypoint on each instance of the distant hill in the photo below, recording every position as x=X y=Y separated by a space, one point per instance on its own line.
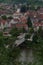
x=13 y=1
x=34 y=2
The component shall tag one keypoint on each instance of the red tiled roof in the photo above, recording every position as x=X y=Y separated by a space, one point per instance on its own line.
x=41 y=16
x=21 y=25
x=38 y=24
x=3 y=21
x=27 y=13
x=23 y=19
x=16 y=20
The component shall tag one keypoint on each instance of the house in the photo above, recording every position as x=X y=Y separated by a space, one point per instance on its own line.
x=38 y=24
x=4 y=24
x=16 y=14
x=19 y=22
x=6 y=34
x=40 y=13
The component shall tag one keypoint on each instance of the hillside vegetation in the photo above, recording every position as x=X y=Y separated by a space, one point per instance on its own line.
x=33 y=2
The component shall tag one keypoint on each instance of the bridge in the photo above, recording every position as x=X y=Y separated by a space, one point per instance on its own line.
x=21 y=39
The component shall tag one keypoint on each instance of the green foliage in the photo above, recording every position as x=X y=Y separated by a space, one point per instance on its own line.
x=1 y=34
x=4 y=17
x=22 y=30
x=31 y=2
x=23 y=9
x=29 y=23
x=27 y=36
x=40 y=32
x=37 y=51
x=31 y=30
x=32 y=7
x=10 y=17
x=14 y=32
x=7 y=55
x=35 y=37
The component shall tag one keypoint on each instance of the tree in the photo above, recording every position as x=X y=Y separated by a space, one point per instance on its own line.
x=38 y=7
x=40 y=32
x=4 y=17
x=23 y=9
x=35 y=37
x=14 y=32
x=1 y=34
x=32 y=7
x=10 y=17
x=7 y=55
x=31 y=30
x=22 y=30
x=29 y=23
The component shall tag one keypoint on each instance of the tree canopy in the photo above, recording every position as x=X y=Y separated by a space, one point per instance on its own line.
x=29 y=23
x=23 y=9
x=4 y=17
